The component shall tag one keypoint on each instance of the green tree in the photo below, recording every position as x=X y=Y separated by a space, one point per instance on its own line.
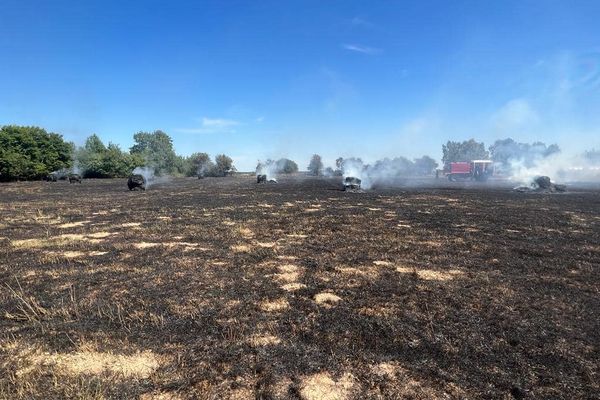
x=199 y=164
x=223 y=165
x=506 y=151
x=28 y=152
x=286 y=166
x=99 y=161
x=463 y=151
x=157 y=150
x=315 y=167
x=424 y=165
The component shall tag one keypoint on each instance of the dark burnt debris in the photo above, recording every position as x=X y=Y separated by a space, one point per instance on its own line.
x=136 y=181
x=75 y=178
x=262 y=178
x=352 y=183
x=542 y=184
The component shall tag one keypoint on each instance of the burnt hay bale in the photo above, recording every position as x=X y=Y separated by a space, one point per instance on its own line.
x=136 y=181
x=74 y=178
x=543 y=182
x=261 y=178
x=352 y=183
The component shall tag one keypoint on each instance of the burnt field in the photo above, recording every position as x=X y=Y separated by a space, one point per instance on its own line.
x=222 y=288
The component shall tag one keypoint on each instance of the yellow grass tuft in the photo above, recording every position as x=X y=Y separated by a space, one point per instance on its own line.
x=74 y=224
x=326 y=298
x=293 y=286
x=274 y=305
x=139 y=365
x=430 y=274
x=322 y=387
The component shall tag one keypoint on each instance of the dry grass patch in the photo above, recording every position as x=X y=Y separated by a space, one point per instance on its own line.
x=321 y=386
x=101 y=235
x=327 y=299
x=138 y=365
x=56 y=241
x=381 y=263
x=263 y=340
x=297 y=236
x=288 y=273
x=73 y=224
x=430 y=274
x=131 y=224
x=145 y=245
x=274 y=305
x=240 y=248
x=293 y=286
x=266 y=244
x=244 y=232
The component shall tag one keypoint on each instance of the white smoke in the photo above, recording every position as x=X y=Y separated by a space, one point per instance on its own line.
x=561 y=168
x=354 y=168
x=147 y=173
x=269 y=168
x=387 y=172
x=76 y=169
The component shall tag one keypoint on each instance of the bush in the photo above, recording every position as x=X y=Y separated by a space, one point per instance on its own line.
x=28 y=152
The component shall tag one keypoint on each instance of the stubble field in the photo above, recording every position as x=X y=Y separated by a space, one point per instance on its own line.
x=225 y=289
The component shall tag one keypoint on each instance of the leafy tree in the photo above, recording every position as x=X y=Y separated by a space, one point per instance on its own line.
x=223 y=165
x=424 y=165
x=463 y=151
x=99 y=161
x=200 y=164
x=506 y=151
x=28 y=152
x=315 y=167
x=157 y=150
x=286 y=166
x=592 y=156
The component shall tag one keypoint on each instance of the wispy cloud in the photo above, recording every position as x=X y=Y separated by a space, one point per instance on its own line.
x=517 y=114
x=218 y=123
x=212 y=125
x=362 y=49
x=357 y=21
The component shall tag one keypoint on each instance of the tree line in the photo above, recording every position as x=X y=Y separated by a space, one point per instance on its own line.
x=28 y=153
x=504 y=152
x=424 y=165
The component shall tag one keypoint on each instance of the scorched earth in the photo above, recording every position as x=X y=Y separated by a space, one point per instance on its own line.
x=222 y=288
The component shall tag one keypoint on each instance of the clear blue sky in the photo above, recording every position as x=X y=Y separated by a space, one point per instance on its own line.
x=258 y=79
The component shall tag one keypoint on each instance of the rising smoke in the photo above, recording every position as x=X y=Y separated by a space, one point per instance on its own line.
x=269 y=168
x=148 y=174
x=386 y=172
x=523 y=162
x=562 y=168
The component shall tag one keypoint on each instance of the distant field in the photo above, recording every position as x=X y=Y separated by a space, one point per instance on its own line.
x=225 y=289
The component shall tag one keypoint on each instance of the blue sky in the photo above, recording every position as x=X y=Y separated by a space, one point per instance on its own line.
x=266 y=79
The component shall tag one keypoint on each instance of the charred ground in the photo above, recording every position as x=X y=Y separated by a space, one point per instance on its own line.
x=222 y=288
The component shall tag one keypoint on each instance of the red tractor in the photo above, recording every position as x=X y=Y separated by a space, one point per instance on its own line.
x=479 y=170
